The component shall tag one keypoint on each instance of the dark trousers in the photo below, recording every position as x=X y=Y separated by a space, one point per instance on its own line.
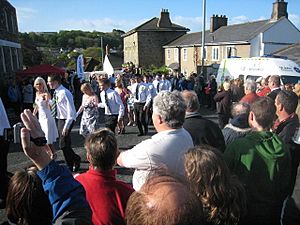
x=223 y=120
x=111 y=122
x=140 y=116
x=4 y=147
x=65 y=144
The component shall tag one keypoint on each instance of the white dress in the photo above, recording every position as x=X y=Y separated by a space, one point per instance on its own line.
x=47 y=121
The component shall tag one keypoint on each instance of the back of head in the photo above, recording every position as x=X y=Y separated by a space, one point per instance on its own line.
x=240 y=108
x=102 y=149
x=222 y=196
x=191 y=101
x=226 y=86
x=288 y=99
x=264 y=110
x=275 y=79
x=171 y=107
x=162 y=200
x=250 y=85
x=27 y=203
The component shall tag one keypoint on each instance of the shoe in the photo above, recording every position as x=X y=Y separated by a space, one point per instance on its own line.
x=140 y=134
x=134 y=125
x=129 y=124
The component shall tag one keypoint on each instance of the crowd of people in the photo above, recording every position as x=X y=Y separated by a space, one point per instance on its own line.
x=244 y=170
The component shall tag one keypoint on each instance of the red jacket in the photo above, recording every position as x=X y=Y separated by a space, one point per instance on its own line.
x=249 y=98
x=264 y=92
x=107 y=196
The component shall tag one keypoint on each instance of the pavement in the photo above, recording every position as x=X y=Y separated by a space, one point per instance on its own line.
x=17 y=159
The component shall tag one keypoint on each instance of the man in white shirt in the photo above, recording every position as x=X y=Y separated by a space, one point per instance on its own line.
x=274 y=85
x=156 y=82
x=27 y=92
x=153 y=93
x=112 y=104
x=64 y=111
x=4 y=147
x=165 y=84
x=142 y=100
x=166 y=148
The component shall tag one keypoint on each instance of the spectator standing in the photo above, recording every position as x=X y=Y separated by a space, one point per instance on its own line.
x=156 y=82
x=237 y=90
x=262 y=164
x=223 y=100
x=297 y=91
x=27 y=93
x=89 y=106
x=164 y=200
x=112 y=103
x=286 y=126
x=238 y=126
x=153 y=93
x=106 y=196
x=164 y=149
x=175 y=81
x=222 y=196
x=250 y=92
x=14 y=96
x=274 y=85
x=202 y=131
x=264 y=90
x=4 y=146
x=213 y=91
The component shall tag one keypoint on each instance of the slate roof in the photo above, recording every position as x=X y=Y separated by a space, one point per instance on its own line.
x=237 y=33
x=292 y=52
x=151 y=25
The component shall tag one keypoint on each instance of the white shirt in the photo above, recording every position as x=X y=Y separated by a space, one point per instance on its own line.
x=4 y=123
x=165 y=85
x=155 y=84
x=65 y=106
x=115 y=103
x=165 y=149
x=144 y=95
x=151 y=89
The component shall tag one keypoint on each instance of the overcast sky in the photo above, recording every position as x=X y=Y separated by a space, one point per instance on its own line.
x=99 y=15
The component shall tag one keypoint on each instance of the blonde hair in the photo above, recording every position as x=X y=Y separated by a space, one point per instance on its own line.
x=42 y=81
x=86 y=86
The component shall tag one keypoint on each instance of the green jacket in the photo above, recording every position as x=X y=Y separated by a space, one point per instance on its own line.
x=262 y=164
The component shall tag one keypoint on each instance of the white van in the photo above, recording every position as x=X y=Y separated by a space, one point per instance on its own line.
x=253 y=68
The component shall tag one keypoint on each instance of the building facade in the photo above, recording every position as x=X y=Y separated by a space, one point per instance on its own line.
x=222 y=41
x=143 y=44
x=10 y=48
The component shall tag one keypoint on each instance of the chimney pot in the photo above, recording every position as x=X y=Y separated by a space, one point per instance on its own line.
x=164 y=20
x=217 y=21
x=279 y=10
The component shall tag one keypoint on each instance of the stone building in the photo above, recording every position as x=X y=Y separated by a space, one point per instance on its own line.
x=10 y=48
x=222 y=41
x=143 y=44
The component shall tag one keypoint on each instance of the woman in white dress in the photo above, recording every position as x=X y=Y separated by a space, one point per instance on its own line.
x=42 y=107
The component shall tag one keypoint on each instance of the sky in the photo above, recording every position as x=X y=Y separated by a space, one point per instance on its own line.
x=99 y=15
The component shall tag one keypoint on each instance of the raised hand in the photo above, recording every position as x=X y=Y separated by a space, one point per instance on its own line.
x=39 y=155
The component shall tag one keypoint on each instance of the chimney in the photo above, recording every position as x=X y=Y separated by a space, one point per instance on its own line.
x=279 y=10
x=164 y=20
x=217 y=21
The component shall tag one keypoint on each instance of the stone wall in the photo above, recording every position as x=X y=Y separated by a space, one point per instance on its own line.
x=131 y=51
x=10 y=51
x=150 y=48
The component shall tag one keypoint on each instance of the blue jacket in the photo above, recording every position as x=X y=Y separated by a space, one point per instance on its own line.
x=66 y=195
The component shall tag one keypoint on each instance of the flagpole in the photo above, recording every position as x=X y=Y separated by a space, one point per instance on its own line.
x=203 y=53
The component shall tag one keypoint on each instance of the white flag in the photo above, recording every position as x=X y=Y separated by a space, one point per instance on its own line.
x=107 y=67
x=80 y=69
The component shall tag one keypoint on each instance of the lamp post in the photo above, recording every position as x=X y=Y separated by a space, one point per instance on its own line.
x=203 y=53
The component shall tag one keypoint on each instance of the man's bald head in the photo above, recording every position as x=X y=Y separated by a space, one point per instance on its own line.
x=191 y=101
x=163 y=200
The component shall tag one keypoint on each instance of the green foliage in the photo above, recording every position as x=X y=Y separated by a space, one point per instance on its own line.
x=94 y=52
x=154 y=70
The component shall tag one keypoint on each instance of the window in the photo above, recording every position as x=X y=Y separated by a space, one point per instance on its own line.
x=176 y=56
x=185 y=56
x=6 y=20
x=215 y=53
x=11 y=58
x=205 y=51
x=168 y=54
x=230 y=51
x=2 y=60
